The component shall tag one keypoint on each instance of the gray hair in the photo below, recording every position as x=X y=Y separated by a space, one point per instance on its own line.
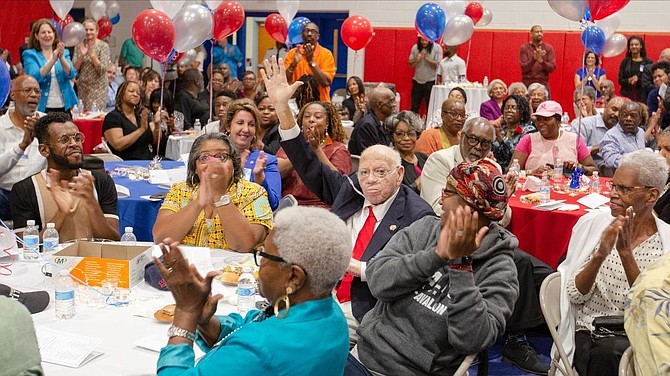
x=316 y=240
x=518 y=85
x=651 y=169
x=192 y=178
x=588 y=91
x=536 y=85
x=477 y=120
x=413 y=121
x=382 y=151
x=492 y=83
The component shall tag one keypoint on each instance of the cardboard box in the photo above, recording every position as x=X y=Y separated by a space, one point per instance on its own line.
x=93 y=262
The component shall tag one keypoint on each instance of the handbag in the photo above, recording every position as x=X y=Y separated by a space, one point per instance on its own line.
x=608 y=326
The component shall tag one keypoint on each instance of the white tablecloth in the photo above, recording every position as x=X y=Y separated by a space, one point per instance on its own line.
x=476 y=96
x=118 y=327
x=178 y=145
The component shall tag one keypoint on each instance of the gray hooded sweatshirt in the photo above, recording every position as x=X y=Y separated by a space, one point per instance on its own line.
x=429 y=317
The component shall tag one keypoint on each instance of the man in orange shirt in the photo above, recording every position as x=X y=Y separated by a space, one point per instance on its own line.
x=312 y=59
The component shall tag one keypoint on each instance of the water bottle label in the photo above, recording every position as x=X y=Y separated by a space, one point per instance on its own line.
x=246 y=291
x=65 y=295
x=50 y=243
x=31 y=241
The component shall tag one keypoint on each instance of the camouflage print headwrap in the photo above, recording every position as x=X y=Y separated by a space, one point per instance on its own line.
x=482 y=186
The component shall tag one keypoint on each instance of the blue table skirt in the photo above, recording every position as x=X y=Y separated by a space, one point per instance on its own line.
x=135 y=211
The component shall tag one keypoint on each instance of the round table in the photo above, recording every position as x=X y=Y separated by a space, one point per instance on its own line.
x=476 y=96
x=178 y=145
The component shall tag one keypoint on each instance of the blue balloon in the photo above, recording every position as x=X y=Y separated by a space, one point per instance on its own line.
x=587 y=14
x=593 y=39
x=114 y=20
x=295 y=30
x=431 y=21
x=5 y=83
x=57 y=26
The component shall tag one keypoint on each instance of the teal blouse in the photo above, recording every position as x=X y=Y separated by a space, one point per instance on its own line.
x=312 y=339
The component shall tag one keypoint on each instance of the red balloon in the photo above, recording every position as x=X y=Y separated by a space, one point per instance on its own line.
x=475 y=11
x=65 y=21
x=228 y=18
x=276 y=26
x=602 y=8
x=357 y=32
x=154 y=34
x=104 y=28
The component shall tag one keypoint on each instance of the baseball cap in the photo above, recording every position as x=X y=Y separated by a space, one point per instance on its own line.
x=549 y=109
x=153 y=276
x=36 y=301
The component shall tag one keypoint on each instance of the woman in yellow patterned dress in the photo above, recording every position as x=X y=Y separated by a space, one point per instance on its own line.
x=91 y=58
x=215 y=207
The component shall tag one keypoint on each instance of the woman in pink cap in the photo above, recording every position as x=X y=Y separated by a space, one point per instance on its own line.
x=537 y=152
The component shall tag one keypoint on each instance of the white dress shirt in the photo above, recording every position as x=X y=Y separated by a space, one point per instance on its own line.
x=17 y=164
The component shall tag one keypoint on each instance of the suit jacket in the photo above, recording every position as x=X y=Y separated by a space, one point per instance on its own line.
x=368 y=132
x=341 y=192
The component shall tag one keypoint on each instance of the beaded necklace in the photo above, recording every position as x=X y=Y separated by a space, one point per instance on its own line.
x=266 y=313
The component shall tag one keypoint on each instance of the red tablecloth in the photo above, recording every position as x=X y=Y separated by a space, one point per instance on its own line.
x=92 y=129
x=546 y=234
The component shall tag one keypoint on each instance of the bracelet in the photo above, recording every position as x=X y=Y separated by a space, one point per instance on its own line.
x=464 y=267
x=176 y=331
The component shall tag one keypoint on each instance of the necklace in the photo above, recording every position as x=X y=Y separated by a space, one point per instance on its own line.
x=261 y=316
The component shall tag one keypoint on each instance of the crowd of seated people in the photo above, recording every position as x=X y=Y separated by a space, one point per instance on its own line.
x=420 y=216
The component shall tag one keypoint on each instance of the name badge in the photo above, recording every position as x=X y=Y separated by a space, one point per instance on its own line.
x=641 y=67
x=247 y=174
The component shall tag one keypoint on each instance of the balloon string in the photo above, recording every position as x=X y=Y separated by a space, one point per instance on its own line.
x=355 y=61
x=467 y=60
x=211 y=73
x=160 y=109
x=581 y=89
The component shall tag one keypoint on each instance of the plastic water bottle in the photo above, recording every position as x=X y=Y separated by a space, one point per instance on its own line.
x=545 y=189
x=75 y=112
x=50 y=238
x=64 y=296
x=595 y=183
x=80 y=104
x=565 y=120
x=128 y=237
x=197 y=127
x=514 y=168
x=246 y=291
x=486 y=81
x=31 y=241
x=95 y=110
x=558 y=171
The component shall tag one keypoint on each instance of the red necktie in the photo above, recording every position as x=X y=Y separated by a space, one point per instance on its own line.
x=362 y=241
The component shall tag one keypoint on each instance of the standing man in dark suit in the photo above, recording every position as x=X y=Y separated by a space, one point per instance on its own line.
x=373 y=202
x=369 y=130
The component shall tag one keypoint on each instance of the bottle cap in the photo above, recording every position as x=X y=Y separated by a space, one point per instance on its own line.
x=51 y=225
x=30 y=222
x=247 y=269
x=128 y=229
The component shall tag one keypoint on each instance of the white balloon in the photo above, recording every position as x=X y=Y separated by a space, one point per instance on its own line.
x=169 y=7
x=73 y=34
x=61 y=7
x=188 y=58
x=615 y=45
x=193 y=25
x=98 y=9
x=113 y=9
x=212 y=4
x=609 y=24
x=570 y=9
x=459 y=29
x=288 y=9
x=486 y=18
x=453 y=8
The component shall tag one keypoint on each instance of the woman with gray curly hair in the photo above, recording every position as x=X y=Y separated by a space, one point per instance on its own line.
x=215 y=207
x=492 y=108
x=405 y=128
x=305 y=255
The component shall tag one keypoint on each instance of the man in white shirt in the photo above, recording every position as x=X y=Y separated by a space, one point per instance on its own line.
x=451 y=68
x=19 y=154
x=278 y=50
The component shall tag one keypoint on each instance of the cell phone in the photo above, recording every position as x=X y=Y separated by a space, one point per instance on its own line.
x=662 y=90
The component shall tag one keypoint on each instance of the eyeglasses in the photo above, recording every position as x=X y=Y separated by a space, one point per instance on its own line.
x=401 y=135
x=455 y=115
x=65 y=139
x=30 y=90
x=259 y=255
x=379 y=173
x=310 y=31
x=624 y=189
x=474 y=141
x=447 y=192
x=511 y=108
x=204 y=157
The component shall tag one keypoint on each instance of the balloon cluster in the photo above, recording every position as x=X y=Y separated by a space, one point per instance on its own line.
x=171 y=31
x=453 y=24
x=602 y=21
x=74 y=33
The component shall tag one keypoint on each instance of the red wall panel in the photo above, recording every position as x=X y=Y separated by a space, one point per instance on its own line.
x=17 y=16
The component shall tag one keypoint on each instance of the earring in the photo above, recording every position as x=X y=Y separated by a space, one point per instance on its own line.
x=287 y=304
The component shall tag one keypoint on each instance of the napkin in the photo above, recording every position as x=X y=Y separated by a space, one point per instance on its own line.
x=532 y=184
x=122 y=191
x=593 y=200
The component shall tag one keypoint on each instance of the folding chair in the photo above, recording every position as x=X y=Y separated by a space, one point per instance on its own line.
x=354 y=162
x=550 y=298
x=626 y=364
